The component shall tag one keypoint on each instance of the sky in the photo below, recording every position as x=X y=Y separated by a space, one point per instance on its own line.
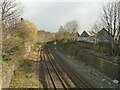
x=49 y=15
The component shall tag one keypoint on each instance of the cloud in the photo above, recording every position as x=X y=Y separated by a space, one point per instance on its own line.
x=50 y=15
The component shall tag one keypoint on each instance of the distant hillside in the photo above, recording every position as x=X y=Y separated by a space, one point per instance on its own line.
x=43 y=36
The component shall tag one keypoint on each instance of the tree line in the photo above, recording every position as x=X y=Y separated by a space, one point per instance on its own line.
x=68 y=31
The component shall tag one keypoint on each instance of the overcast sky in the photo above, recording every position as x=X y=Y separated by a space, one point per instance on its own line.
x=49 y=15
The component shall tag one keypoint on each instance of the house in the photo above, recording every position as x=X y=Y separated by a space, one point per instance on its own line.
x=93 y=36
x=84 y=34
x=88 y=36
x=73 y=36
x=78 y=35
x=104 y=36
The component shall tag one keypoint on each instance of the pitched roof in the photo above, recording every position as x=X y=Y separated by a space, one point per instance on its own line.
x=84 y=34
x=78 y=34
x=89 y=33
x=92 y=33
x=104 y=30
x=104 y=35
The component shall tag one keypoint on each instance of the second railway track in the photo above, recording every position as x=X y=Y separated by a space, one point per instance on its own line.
x=61 y=75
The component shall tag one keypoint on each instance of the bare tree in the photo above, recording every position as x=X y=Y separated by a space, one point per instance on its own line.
x=118 y=34
x=111 y=22
x=10 y=12
x=61 y=29
x=96 y=27
x=62 y=34
x=72 y=27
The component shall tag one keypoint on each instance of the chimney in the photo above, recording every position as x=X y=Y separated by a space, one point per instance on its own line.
x=21 y=19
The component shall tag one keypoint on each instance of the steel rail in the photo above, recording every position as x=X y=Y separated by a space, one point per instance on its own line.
x=49 y=57
x=49 y=71
x=68 y=67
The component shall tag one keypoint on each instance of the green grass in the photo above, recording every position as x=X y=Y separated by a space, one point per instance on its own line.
x=2 y=62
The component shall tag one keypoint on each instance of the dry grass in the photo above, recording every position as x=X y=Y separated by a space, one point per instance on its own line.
x=26 y=76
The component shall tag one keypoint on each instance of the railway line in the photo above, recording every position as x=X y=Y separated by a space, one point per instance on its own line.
x=61 y=75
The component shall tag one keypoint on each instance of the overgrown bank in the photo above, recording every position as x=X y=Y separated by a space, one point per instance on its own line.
x=26 y=75
x=19 y=44
x=100 y=61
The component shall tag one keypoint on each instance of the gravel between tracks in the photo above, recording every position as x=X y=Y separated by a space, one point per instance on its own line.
x=93 y=76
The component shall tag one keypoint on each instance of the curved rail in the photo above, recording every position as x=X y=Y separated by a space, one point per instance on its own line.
x=70 y=72
x=49 y=72
x=49 y=58
x=75 y=77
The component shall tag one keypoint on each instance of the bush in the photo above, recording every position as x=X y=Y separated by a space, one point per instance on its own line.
x=11 y=46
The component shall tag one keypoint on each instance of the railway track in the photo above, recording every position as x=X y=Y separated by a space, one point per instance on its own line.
x=63 y=74
x=55 y=78
x=56 y=71
x=75 y=77
x=56 y=68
